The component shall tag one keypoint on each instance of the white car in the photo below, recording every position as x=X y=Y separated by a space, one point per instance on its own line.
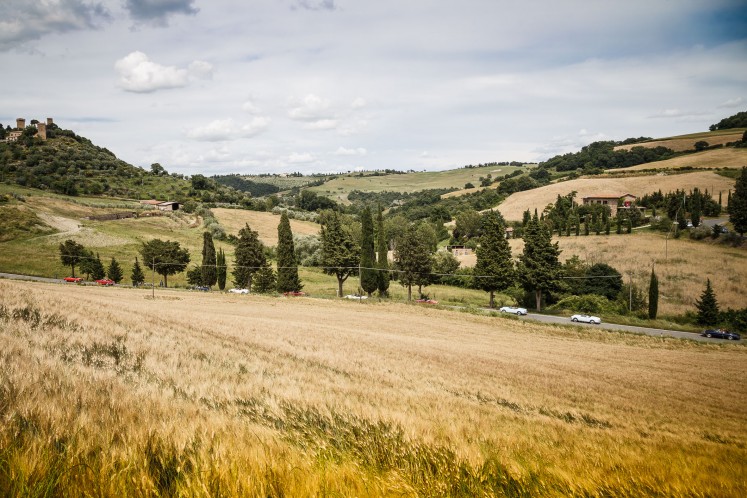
x=238 y=291
x=356 y=296
x=586 y=319
x=513 y=310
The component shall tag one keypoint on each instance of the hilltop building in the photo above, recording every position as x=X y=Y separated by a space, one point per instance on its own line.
x=16 y=133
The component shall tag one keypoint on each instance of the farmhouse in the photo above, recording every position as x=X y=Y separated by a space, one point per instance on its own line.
x=162 y=205
x=614 y=201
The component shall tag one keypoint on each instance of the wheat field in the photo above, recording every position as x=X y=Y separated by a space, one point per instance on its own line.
x=265 y=224
x=730 y=158
x=108 y=392
x=687 y=142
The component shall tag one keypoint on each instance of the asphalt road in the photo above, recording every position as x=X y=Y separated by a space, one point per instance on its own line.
x=531 y=316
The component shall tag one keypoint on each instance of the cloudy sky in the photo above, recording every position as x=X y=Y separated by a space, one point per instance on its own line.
x=226 y=86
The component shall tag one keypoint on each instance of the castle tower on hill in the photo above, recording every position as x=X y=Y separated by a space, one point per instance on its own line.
x=20 y=123
x=41 y=129
x=50 y=121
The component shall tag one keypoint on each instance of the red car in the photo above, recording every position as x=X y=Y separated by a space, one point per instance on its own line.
x=105 y=281
x=73 y=279
x=426 y=301
x=294 y=294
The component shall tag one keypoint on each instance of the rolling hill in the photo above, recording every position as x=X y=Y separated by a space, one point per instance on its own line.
x=682 y=143
x=513 y=207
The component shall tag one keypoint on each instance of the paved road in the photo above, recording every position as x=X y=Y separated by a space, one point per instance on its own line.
x=531 y=316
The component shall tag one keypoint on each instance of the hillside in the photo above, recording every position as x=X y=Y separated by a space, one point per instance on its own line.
x=339 y=188
x=513 y=207
x=722 y=158
x=265 y=224
x=687 y=142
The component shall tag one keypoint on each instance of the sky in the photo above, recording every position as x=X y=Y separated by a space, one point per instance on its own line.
x=318 y=86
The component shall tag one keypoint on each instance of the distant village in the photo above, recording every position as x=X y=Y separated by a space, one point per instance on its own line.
x=15 y=134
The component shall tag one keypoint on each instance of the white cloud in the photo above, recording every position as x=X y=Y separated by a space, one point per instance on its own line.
x=309 y=108
x=227 y=129
x=342 y=151
x=299 y=158
x=731 y=103
x=139 y=74
x=358 y=103
x=322 y=124
x=250 y=107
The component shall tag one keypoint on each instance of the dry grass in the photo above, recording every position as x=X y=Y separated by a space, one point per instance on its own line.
x=515 y=205
x=682 y=265
x=266 y=224
x=687 y=142
x=198 y=395
x=707 y=159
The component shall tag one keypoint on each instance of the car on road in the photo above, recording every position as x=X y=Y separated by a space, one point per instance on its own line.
x=75 y=280
x=356 y=296
x=426 y=301
x=513 y=310
x=721 y=334
x=105 y=281
x=586 y=319
x=238 y=291
x=294 y=294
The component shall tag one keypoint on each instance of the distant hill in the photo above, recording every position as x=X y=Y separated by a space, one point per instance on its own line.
x=69 y=164
x=738 y=120
x=683 y=143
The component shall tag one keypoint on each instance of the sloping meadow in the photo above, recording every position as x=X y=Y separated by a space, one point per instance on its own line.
x=109 y=392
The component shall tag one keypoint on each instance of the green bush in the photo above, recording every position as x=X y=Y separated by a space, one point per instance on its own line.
x=586 y=303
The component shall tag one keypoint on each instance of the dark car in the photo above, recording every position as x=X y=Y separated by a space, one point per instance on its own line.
x=721 y=334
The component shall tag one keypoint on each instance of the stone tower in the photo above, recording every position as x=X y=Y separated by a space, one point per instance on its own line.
x=50 y=121
x=41 y=131
x=20 y=123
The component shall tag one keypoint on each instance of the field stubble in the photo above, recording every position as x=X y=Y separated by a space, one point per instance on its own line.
x=105 y=391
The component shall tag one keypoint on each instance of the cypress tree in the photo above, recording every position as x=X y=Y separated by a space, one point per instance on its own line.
x=738 y=204
x=264 y=280
x=494 y=270
x=220 y=263
x=539 y=269
x=696 y=209
x=208 y=269
x=249 y=257
x=586 y=225
x=137 y=277
x=653 y=296
x=382 y=255
x=619 y=224
x=630 y=225
x=578 y=225
x=114 y=272
x=369 y=275
x=97 y=269
x=707 y=306
x=607 y=227
x=287 y=279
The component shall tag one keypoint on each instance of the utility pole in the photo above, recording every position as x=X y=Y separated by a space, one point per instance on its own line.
x=153 y=279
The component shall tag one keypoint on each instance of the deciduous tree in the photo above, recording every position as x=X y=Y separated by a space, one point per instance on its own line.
x=340 y=256
x=71 y=254
x=164 y=257
x=412 y=259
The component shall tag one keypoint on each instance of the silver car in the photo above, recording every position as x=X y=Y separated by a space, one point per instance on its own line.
x=586 y=319
x=513 y=310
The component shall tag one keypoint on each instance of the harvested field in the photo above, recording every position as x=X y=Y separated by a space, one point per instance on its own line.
x=205 y=394
x=513 y=207
x=707 y=159
x=266 y=224
x=687 y=142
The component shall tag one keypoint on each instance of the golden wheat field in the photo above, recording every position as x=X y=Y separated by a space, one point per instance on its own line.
x=108 y=392
x=687 y=142
x=708 y=159
x=515 y=205
x=682 y=265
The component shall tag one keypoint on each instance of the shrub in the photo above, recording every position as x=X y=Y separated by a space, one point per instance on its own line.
x=701 y=232
x=586 y=303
